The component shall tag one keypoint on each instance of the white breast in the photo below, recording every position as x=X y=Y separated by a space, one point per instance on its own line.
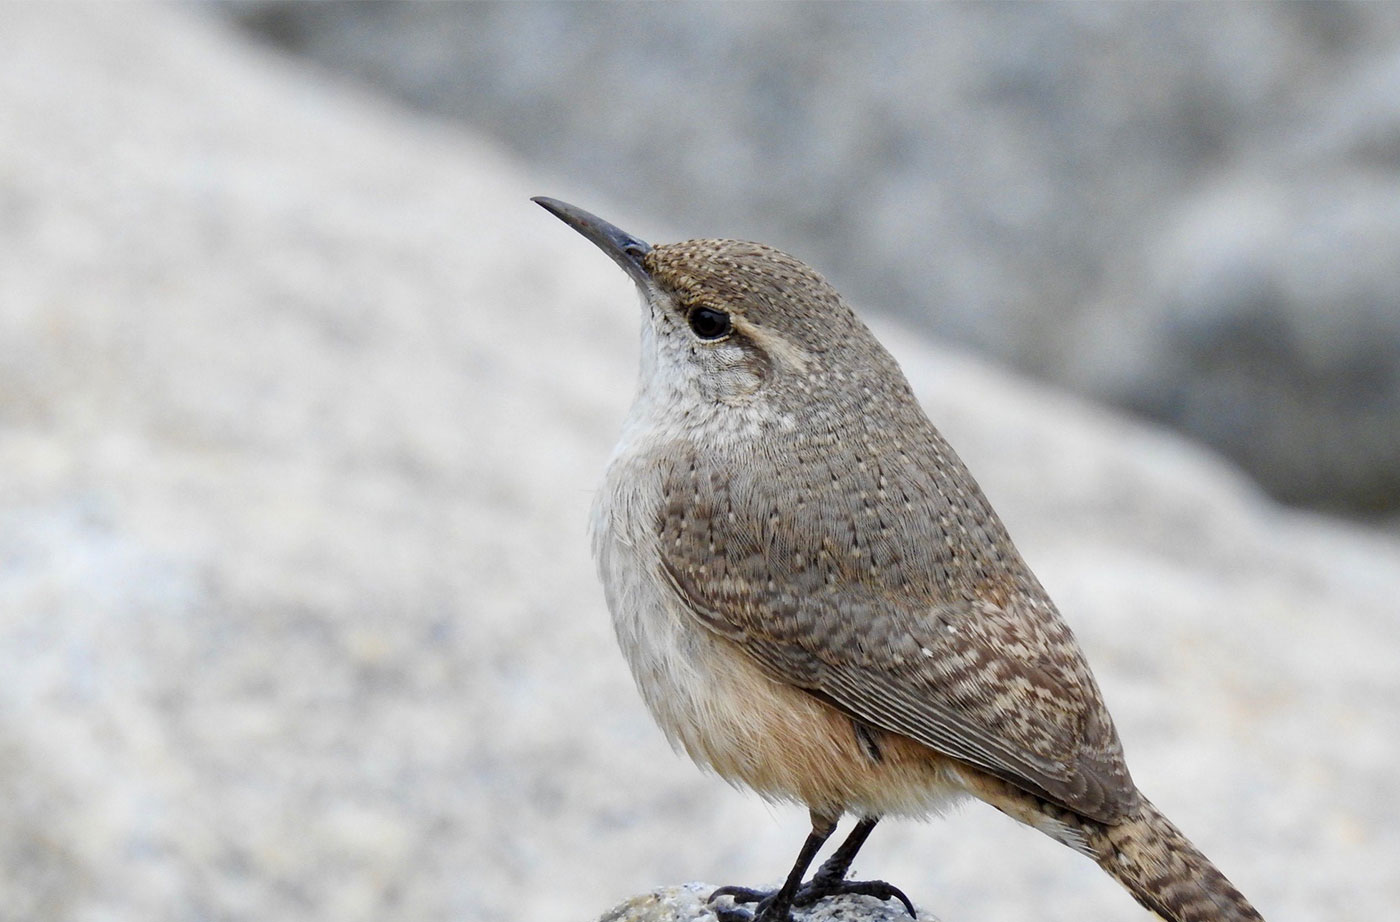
x=662 y=650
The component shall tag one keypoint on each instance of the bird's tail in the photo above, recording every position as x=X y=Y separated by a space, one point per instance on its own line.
x=1143 y=851
x=1162 y=869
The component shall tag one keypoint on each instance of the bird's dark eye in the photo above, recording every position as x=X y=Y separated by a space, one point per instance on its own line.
x=708 y=323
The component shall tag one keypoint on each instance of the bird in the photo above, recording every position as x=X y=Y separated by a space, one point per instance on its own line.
x=817 y=601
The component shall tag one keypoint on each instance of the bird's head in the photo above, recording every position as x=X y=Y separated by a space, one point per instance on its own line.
x=733 y=322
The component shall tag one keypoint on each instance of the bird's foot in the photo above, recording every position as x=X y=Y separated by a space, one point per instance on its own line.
x=819 y=889
x=763 y=912
x=815 y=890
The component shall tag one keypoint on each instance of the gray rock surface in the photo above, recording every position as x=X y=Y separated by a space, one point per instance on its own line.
x=1190 y=209
x=1264 y=315
x=686 y=903
x=301 y=406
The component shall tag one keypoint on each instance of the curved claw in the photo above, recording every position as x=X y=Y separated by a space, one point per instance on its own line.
x=881 y=890
x=740 y=894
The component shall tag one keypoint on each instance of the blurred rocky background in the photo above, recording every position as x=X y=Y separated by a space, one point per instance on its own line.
x=302 y=403
x=1188 y=210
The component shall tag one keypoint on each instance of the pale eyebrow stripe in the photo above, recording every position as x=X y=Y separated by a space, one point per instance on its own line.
x=783 y=350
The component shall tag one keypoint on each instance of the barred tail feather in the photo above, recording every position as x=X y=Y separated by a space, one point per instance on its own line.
x=1162 y=869
x=1143 y=851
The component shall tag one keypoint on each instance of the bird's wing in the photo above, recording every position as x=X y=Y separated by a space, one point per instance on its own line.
x=852 y=607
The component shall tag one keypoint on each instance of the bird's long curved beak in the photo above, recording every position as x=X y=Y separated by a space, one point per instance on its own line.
x=627 y=251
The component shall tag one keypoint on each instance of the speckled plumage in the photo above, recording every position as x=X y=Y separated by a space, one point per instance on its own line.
x=817 y=600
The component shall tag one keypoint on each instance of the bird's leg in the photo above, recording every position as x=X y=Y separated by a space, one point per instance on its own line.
x=836 y=867
x=830 y=878
x=776 y=905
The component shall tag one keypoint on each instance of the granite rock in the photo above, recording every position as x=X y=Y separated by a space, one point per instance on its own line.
x=687 y=903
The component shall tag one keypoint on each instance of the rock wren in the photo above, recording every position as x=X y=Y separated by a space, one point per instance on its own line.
x=817 y=601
